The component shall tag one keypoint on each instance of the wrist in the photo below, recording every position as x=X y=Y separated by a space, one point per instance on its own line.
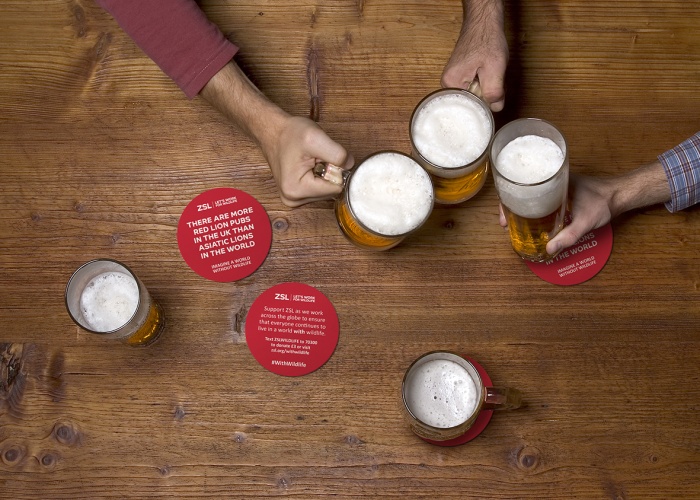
x=484 y=14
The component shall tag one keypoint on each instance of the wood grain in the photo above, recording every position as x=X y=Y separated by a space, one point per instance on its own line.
x=100 y=153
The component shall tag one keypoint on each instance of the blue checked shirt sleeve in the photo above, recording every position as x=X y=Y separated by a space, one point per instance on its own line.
x=682 y=167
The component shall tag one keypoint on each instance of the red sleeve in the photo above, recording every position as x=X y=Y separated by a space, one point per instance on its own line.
x=177 y=35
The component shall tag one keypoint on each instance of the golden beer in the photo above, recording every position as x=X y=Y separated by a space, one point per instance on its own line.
x=450 y=131
x=529 y=237
x=103 y=296
x=386 y=197
x=151 y=328
x=531 y=174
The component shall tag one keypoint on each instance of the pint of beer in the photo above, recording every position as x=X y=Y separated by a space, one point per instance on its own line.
x=443 y=395
x=450 y=132
x=531 y=173
x=386 y=197
x=103 y=296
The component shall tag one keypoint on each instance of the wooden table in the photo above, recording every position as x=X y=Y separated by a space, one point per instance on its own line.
x=100 y=153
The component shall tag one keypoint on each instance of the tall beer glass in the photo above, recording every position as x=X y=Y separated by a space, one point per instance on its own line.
x=450 y=131
x=385 y=198
x=531 y=172
x=103 y=296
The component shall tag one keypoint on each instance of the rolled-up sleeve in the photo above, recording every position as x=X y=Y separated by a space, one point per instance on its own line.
x=682 y=167
x=177 y=35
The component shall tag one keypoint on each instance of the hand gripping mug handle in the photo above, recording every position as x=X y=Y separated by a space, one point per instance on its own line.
x=502 y=398
x=331 y=173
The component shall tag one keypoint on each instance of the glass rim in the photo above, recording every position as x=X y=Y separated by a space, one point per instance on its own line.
x=452 y=91
x=346 y=194
x=417 y=362
x=88 y=263
x=528 y=184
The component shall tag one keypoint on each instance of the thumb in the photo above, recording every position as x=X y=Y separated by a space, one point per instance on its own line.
x=568 y=236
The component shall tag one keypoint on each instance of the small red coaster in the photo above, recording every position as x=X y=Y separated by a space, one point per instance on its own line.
x=224 y=234
x=481 y=421
x=579 y=262
x=292 y=329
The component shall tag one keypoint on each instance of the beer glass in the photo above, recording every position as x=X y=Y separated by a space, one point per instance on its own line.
x=104 y=296
x=443 y=395
x=450 y=131
x=530 y=164
x=384 y=199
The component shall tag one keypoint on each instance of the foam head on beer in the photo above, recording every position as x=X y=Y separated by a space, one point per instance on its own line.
x=390 y=194
x=441 y=393
x=528 y=160
x=451 y=130
x=109 y=301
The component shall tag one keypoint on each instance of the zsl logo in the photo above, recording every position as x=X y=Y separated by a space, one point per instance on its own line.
x=281 y=296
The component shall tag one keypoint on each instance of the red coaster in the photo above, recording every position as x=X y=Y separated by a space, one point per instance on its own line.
x=224 y=234
x=292 y=329
x=481 y=421
x=579 y=262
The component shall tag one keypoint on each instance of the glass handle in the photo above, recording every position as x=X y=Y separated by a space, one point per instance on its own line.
x=475 y=88
x=502 y=398
x=331 y=173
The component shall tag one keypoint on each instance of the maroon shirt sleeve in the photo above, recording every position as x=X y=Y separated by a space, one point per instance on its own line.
x=177 y=35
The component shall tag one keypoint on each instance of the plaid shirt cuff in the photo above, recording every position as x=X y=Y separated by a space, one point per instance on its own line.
x=682 y=167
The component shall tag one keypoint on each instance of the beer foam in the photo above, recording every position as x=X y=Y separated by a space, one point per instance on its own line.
x=530 y=159
x=390 y=194
x=109 y=301
x=451 y=130
x=441 y=393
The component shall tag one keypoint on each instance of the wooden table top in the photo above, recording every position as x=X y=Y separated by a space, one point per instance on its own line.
x=100 y=153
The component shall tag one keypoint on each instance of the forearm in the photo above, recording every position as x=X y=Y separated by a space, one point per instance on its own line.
x=486 y=13
x=177 y=36
x=641 y=187
x=234 y=95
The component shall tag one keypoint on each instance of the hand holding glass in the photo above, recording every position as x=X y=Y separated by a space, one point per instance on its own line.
x=531 y=172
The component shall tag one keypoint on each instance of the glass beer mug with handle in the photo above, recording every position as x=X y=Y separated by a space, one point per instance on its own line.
x=530 y=163
x=384 y=199
x=443 y=395
x=450 y=130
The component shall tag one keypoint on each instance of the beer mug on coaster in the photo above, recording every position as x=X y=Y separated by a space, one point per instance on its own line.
x=530 y=163
x=443 y=395
x=450 y=131
x=103 y=296
x=384 y=199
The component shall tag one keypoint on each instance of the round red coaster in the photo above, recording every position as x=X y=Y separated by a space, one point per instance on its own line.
x=292 y=329
x=224 y=234
x=481 y=421
x=579 y=262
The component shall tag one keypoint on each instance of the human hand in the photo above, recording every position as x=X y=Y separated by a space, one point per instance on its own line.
x=292 y=145
x=591 y=206
x=296 y=148
x=480 y=57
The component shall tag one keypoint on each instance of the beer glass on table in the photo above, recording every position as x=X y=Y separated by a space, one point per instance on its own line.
x=385 y=198
x=450 y=130
x=443 y=395
x=530 y=165
x=104 y=296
